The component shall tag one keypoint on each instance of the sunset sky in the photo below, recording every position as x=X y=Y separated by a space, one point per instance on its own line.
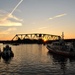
x=37 y=16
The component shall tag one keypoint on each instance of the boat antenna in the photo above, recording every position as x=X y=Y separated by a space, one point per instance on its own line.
x=62 y=35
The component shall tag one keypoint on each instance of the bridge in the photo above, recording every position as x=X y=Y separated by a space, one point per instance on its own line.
x=36 y=36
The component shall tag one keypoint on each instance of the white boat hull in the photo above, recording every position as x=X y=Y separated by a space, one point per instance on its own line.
x=60 y=52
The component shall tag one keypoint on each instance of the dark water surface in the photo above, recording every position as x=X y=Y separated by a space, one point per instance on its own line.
x=34 y=59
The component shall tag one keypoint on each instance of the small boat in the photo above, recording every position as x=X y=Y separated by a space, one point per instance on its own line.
x=60 y=48
x=7 y=52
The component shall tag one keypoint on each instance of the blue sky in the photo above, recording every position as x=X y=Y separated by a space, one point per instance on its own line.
x=37 y=16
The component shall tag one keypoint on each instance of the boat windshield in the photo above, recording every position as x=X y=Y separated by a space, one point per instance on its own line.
x=57 y=43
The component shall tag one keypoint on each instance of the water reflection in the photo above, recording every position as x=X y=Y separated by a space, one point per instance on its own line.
x=32 y=59
x=0 y=57
x=62 y=61
x=7 y=60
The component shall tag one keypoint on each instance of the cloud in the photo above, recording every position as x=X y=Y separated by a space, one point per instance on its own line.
x=57 y=16
x=60 y=15
x=10 y=23
x=14 y=17
x=6 y=20
x=3 y=12
x=7 y=34
x=1 y=15
x=10 y=20
x=8 y=31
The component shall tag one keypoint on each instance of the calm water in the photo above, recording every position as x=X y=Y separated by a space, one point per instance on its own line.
x=33 y=59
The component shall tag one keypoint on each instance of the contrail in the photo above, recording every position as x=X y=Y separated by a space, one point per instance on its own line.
x=9 y=15
x=15 y=7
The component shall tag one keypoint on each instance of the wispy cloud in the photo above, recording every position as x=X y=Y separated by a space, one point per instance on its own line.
x=6 y=20
x=2 y=11
x=8 y=31
x=57 y=16
x=7 y=34
x=14 y=17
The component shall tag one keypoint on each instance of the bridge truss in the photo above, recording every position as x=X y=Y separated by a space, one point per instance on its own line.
x=36 y=36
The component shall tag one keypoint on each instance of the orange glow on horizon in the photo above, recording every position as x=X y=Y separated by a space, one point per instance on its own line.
x=10 y=36
x=44 y=39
